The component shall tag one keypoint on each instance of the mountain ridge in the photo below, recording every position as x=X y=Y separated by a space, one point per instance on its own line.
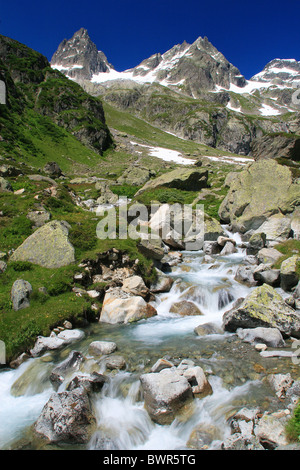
x=165 y=68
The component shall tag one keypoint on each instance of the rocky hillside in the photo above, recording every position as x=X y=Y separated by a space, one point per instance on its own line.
x=46 y=113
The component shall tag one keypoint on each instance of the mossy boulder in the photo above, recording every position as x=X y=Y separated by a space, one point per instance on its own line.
x=48 y=246
x=263 y=189
x=263 y=307
x=5 y=185
x=135 y=176
x=289 y=273
x=181 y=178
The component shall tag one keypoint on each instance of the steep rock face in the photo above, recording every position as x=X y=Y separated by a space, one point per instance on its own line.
x=79 y=58
x=276 y=146
x=30 y=82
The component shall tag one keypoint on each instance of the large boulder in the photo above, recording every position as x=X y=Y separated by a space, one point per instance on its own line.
x=5 y=185
x=122 y=307
x=20 y=293
x=263 y=189
x=266 y=308
x=165 y=394
x=135 y=176
x=67 y=417
x=277 y=227
x=48 y=246
x=269 y=336
x=181 y=178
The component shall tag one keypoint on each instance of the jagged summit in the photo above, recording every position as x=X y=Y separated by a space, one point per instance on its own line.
x=197 y=66
x=79 y=58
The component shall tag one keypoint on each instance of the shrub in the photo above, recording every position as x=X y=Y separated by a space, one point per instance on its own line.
x=293 y=426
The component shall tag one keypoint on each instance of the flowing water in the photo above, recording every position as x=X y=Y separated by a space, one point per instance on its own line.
x=234 y=369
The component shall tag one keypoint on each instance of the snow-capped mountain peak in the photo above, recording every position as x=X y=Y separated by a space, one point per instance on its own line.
x=280 y=72
x=79 y=58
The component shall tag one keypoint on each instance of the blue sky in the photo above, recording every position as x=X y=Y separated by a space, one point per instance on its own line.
x=248 y=33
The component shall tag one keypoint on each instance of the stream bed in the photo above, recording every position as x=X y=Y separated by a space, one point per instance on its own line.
x=235 y=370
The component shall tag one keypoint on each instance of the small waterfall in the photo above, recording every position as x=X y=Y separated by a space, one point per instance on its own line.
x=122 y=421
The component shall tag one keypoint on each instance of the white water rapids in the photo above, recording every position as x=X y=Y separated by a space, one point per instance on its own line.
x=123 y=422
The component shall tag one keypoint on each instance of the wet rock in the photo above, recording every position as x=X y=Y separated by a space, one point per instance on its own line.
x=165 y=394
x=245 y=275
x=115 y=362
x=20 y=294
x=198 y=381
x=269 y=336
x=69 y=336
x=185 y=308
x=211 y=248
x=162 y=284
x=67 y=417
x=90 y=383
x=99 y=348
x=121 y=307
x=228 y=249
x=161 y=364
x=202 y=436
x=69 y=365
x=296 y=293
x=44 y=343
x=208 y=329
x=223 y=240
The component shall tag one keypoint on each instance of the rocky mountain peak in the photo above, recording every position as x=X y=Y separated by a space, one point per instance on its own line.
x=78 y=58
x=280 y=72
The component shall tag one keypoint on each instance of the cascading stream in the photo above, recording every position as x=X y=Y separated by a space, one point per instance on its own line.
x=123 y=423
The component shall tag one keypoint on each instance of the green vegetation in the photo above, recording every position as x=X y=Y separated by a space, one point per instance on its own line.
x=288 y=248
x=127 y=123
x=59 y=303
x=167 y=195
x=47 y=116
x=293 y=425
